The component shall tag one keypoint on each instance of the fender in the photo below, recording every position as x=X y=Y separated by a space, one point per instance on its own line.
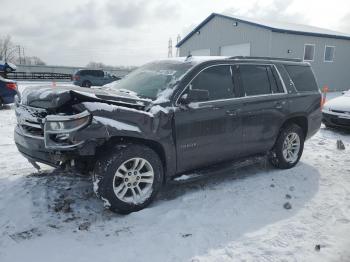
x=111 y=122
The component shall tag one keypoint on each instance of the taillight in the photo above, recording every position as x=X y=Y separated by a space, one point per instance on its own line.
x=76 y=78
x=12 y=86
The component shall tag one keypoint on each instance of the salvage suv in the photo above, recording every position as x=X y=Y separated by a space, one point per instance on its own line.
x=169 y=118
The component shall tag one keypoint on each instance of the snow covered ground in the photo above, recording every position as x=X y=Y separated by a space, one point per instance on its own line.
x=238 y=216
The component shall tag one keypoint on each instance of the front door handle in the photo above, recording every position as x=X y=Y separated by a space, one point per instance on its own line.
x=279 y=105
x=231 y=112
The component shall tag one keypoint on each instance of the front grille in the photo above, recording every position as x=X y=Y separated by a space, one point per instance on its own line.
x=30 y=120
x=34 y=131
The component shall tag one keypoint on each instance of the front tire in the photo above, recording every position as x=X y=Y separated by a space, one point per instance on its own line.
x=128 y=177
x=288 y=148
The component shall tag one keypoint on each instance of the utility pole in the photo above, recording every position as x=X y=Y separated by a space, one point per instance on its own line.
x=178 y=49
x=24 y=56
x=19 y=54
x=170 y=48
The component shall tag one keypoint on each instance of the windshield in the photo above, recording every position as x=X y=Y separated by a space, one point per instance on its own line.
x=150 y=80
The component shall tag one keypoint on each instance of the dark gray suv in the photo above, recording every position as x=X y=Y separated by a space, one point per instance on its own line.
x=169 y=118
x=92 y=77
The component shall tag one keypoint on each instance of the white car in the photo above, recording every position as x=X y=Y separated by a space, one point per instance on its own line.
x=336 y=112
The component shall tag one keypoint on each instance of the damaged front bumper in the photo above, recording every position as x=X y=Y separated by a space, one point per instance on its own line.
x=52 y=139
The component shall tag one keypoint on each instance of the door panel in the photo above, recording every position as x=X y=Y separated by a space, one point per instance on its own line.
x=261 y=120
x=207 y=134
x=264 y=107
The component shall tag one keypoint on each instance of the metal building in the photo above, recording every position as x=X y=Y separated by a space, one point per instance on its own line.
x=221 y=35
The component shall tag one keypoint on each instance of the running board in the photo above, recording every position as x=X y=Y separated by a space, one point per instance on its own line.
x=217 y=169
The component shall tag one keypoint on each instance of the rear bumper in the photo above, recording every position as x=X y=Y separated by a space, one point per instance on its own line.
x=8 y=99
x=336 y=120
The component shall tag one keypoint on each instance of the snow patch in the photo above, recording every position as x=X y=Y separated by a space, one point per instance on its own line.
x=106 y=203
x=186 y=177
x=117 y=124
x=95 y=106
x=157 y=108
x=164 y=95
x=95 y=185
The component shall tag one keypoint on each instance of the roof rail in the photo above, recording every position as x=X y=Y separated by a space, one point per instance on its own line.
x=266 y=58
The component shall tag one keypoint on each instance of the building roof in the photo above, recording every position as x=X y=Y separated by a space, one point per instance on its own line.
x=280 y=27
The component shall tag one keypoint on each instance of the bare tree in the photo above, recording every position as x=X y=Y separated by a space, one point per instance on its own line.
x=7 y=49
x=99 y=65
x=33 y=60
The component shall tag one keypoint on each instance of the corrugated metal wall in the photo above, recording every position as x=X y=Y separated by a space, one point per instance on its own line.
x=221 y=31
x=335 y=74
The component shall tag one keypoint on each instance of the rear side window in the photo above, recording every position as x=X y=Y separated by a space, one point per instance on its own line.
x=99 y=73
x=217 y=80
x=302 y=77
x=255 y=79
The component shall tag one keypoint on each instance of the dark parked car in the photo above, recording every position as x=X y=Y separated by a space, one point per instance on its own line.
x=8 y=90
x=7 y=67
x=169 y=118
x=91 y=77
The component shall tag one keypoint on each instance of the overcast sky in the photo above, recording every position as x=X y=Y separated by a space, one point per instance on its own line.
x=132 y=32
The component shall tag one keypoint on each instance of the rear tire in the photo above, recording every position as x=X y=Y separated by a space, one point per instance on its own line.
x=128 y=177
x=288 y=148
x=86 y=84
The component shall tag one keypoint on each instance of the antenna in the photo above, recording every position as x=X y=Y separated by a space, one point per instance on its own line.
x=178 y=39
x=170 y=48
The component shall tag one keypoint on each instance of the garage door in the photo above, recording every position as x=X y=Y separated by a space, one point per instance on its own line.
x=201 y=52
x=235 y=50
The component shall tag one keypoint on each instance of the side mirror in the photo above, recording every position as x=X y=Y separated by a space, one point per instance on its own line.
x=195 y=95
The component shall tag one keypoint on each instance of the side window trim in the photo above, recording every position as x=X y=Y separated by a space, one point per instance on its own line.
x=274 y=69
x=189 y=84
x=274 y=81
x=244 y=92
x=236 y=84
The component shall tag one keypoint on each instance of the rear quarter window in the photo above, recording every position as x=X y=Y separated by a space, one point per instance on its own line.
x=302 y=77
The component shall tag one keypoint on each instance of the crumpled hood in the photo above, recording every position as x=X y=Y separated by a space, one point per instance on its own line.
x=341 y=103
x=54 y=97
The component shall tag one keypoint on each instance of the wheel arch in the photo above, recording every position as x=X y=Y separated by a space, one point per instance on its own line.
x=124 y=140
x=300 y=120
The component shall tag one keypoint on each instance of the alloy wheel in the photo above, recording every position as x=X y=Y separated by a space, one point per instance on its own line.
x=291 y=147
x=133 y=180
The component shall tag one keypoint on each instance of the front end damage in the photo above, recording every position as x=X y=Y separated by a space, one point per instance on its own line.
x=53 y=139
x=75 y=129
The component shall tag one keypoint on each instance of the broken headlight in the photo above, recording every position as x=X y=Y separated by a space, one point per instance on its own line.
x=65 y=124
x=59 y=130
